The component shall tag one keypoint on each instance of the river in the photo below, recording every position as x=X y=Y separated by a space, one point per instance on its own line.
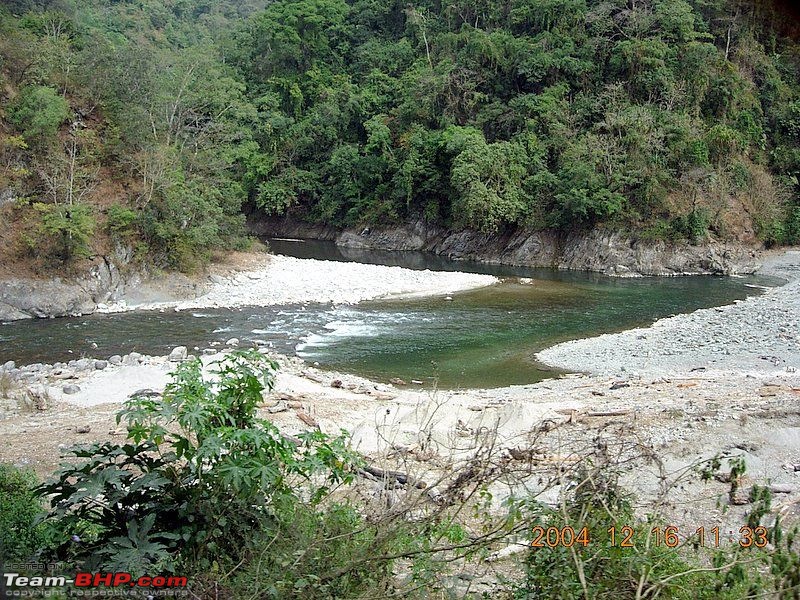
x=481 y=338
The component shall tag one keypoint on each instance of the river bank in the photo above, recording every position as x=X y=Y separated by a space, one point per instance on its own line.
x=267 y=280
x=241 y=279
x=611 y=252
x=759 y=336
x=115 y=282
x=661 y=416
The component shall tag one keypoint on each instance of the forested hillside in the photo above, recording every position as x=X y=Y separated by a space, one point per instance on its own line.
x=152 y=126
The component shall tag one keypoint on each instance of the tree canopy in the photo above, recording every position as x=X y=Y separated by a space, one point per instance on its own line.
x=556 y=114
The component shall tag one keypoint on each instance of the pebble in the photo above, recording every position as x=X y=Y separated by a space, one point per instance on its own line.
x=232 y=342
x=71 y=389
x=100 y=364
x=115 y=360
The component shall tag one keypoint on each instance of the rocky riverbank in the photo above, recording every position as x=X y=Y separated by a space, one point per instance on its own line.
x=269 y=280
x=683 y=420
x=604 y=251
x=758 y=336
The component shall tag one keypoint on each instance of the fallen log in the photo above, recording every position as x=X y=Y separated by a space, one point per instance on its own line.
x=399 y=476
x=609 y=413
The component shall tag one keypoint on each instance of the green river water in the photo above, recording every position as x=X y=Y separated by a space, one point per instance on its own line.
x=481 y=338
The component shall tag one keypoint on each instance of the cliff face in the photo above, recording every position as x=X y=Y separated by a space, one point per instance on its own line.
x=609 y=252
x=107 y=279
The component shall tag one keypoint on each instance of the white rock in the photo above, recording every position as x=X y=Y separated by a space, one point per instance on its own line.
x=178 y=354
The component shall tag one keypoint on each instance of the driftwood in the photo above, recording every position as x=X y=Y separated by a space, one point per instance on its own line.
x=307 y=419
x=574 y=412
x=387 y=475
x=609 y=413
x=313 y=377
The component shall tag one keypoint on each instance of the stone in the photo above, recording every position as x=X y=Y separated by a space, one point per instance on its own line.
x=232 y=342
x=337 y=383
x=145 y=393
x=115 y=360
x=209 y=351
x=134 y=358
x=71 y=388
x=100 y=364
x=781 y=488
x=397 y=381
x=278 y=408
x=83 y=429
x=178 y=354
x=83 y=364
x=9 y=366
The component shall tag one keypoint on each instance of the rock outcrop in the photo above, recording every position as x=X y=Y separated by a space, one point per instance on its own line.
x=101 y=284
x=600 y=250
x=25 y=297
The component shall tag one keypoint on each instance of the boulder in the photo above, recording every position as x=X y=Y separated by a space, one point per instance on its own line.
x=178 y=354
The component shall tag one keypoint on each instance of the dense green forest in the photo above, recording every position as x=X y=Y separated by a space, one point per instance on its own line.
x=156 y=125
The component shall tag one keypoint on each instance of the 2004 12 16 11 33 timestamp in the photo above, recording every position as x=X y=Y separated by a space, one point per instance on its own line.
x=669 y=536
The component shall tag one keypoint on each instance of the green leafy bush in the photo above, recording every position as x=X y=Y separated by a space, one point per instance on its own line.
x=120 y=219
x=38 y=112
x=20 y=534
x=199 y=478
x=67 y=228
x=692 y=225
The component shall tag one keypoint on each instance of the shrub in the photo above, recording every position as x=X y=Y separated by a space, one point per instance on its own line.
x=693 y=225
x=647 y=558
x=68 y=226
x=198 y=479
x=119 y=219
x=38 y=112
x=20 y=534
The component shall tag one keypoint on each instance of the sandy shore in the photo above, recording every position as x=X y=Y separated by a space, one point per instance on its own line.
x=275 y=279
x=759 y=336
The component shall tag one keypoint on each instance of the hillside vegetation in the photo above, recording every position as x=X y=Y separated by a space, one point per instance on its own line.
x=153 y=126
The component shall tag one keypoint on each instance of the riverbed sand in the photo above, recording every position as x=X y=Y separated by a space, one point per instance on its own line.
x=275 y=279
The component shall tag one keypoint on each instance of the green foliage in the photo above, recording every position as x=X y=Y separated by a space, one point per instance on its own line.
x=20 y=534
x=38 y=112
x=692 y=225
x=641 y=560
x=67 y=229
x=199 y=480
x=120 y=219
x=547 y=113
